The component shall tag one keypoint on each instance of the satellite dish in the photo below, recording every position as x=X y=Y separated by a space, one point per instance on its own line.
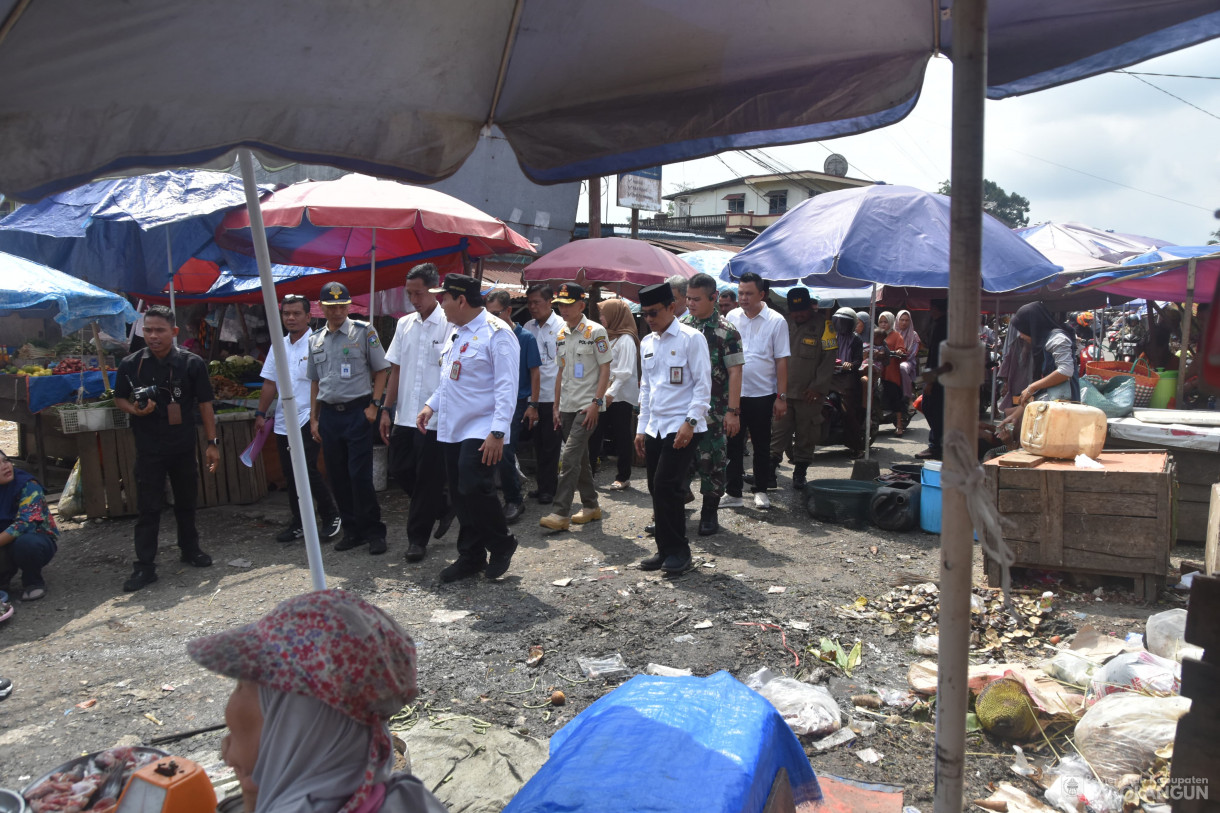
x=835 y=165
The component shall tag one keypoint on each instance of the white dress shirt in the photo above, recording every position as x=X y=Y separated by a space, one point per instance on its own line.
x=545 y=335
x=677 y=380
x=624 y=378
x=477 y=393
x=765 y=338
x=416 y=349
x=298 y=364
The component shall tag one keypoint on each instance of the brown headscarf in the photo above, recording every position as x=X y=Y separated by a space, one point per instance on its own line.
x=617 y=320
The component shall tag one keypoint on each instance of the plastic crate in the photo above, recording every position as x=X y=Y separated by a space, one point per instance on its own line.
x=98 y=419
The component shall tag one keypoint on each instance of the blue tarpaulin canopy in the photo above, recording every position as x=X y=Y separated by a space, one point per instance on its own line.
x=114 y=233
x=35 y=290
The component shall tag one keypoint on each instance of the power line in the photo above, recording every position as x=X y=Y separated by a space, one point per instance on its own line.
x=1172 y=75
x=1167 y=93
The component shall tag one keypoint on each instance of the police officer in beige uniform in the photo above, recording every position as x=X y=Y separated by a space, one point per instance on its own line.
x=348 y=371
x=583 y=349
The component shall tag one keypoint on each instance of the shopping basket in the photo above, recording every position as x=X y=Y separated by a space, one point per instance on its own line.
x=1145 y=377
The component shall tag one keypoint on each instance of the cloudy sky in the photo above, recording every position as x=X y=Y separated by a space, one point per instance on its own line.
x=1110 y=151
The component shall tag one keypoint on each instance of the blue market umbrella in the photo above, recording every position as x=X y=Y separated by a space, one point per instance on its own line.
x=34 y=289
x=890 y=235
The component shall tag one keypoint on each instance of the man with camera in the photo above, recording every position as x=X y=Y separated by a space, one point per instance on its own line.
x=161 y=387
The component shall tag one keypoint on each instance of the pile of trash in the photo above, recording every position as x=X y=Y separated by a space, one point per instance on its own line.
x=1027 y=625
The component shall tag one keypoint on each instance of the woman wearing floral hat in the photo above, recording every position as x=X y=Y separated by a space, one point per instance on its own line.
x=317 y=681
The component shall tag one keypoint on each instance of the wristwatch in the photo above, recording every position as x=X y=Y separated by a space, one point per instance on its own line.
x=377 y=402
x=783 y=396
x=733 y=410
x=497 y=435
x=214 y=442
x=599 y=401
x=531 y=404
x=693 y=422
x=259 y=413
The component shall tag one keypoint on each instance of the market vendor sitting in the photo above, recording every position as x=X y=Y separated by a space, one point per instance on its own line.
x=27 y=542
x=317 y=681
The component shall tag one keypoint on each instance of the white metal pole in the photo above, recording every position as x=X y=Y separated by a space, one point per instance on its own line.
x=961 y=398
x=868 y=389
x=169 y=261
x=373 y=279
x=288 y=405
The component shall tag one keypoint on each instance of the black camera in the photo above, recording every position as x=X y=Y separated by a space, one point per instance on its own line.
x=142 y=395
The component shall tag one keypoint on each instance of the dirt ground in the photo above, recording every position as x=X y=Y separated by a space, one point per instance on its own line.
x=88 y=640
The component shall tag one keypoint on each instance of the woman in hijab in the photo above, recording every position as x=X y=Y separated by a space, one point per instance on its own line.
x=317 y=681
x=1052 y=355
x=905 y=326
x=892 y=398
x=28 y=541
x=623 y=394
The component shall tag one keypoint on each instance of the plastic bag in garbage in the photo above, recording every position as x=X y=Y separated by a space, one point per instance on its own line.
x=1136 y=672
x=1072 y=668
x=1121 y=733
x=71 y=501
x=806 y=709
x=1165 y=635
x=1071 y=794
x=611 y=667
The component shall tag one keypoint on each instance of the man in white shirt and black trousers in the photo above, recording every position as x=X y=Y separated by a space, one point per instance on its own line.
x=474 y=404
x=675 y=389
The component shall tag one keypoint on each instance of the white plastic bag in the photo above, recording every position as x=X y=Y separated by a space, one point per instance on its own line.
x=1136 y=672
x=806 y=709
x=1071 y=667
x=1075 y=788
x=1121 y=733
x=1165 y=635
x=71 y=501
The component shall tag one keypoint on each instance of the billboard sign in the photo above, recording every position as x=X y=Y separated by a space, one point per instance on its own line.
x=640 y=189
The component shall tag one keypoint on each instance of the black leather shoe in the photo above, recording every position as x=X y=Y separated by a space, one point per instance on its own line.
x=676 y=565
x=708 y=525
x=377 y=546
x=653 y=562
x=650 y=529
x=197 y=559
x=416 y=553
x=498 y=564
x=748 y=479
x=139 y=578
x=442 y=525
x=350 y=542
x=546 y=499
x=513 y=512
x=800 y=475
x=462 y=569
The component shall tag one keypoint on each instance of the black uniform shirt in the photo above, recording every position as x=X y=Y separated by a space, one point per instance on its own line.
x=182 y=378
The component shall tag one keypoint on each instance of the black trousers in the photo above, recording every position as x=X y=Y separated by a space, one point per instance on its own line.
x=347 y=443
x=755 y=419
x=620 y=427
x=547 y=443
x=472 y=487
x=934 y=413
x=668 y=474
x=417 y=464
x=317 y=483
x=152 y=468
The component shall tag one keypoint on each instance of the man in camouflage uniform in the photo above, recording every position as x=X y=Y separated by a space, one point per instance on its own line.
x=723 y=420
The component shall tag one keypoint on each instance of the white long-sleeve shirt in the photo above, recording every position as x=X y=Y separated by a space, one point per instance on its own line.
x=416 y=349
x=477 y=392
x=546 y=334
x=624 y=378
x=677 y=380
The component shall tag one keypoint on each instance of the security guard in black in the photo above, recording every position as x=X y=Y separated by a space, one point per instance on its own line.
x=175 y=387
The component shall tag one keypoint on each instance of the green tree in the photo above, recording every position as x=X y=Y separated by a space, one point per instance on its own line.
x=1009 y=208
x=1214 y=238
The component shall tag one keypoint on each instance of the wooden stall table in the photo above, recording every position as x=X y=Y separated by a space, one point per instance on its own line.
x=107 y=462
x=1195 y=447
x=26 y=401
x=1115 y=521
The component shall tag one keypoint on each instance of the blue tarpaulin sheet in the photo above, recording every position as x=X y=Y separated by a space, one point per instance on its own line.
x=670 y=744
x=31 y=289
x=49 y=390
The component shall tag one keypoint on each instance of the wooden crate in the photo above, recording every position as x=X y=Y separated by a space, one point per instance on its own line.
x=108 y=460
x=1116 y=521
x=1196 y=471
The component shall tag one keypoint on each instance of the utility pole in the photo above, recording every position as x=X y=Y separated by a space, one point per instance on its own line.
x=635 y=223
x=595 y=207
